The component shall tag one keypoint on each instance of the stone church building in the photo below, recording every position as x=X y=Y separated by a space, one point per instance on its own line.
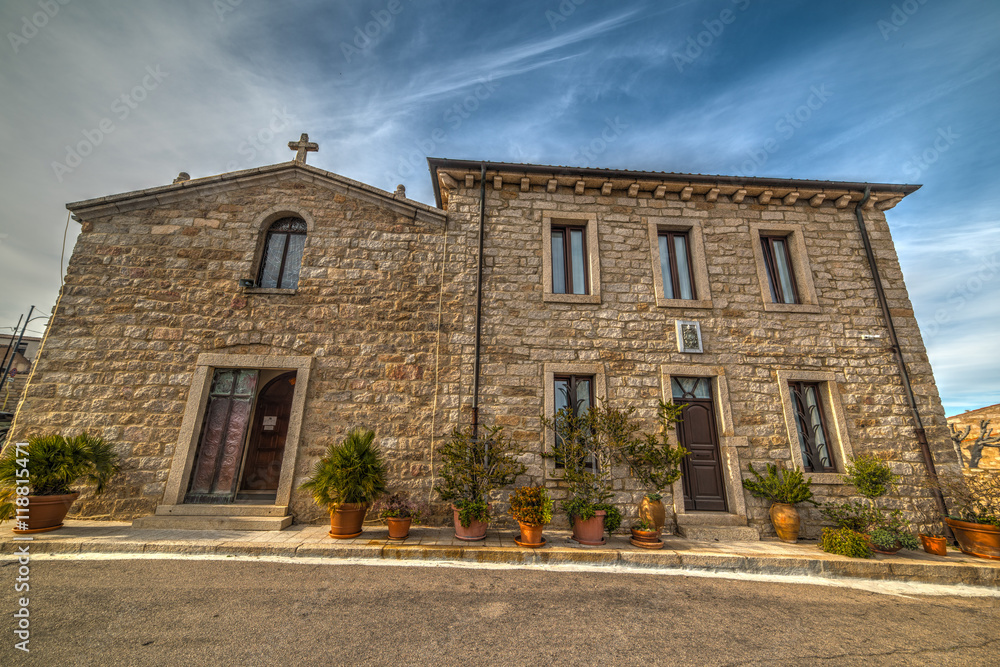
x=223 y=331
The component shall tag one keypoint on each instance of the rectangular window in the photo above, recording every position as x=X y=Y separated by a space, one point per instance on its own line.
x=675 y=265
x=577 y=392
x=812 y=430
x=778 y=263
x=569 y=260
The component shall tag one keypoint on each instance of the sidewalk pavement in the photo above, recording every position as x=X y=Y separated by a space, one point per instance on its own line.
x=428 y=543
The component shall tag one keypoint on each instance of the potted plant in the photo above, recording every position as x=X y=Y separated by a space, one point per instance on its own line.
x=784 y=489
x=472 y=466
x=646 y=534
x=885 y=532
x=653 y=460
x=975 y=515
x=48 y=467
x=584 y=446
x=934 y=544
x=347 y=480
x=398 y=512
x=531 y=507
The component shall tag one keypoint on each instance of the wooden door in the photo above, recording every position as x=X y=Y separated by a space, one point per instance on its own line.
x=267 y=435
x=704 y=490
x=216 y=468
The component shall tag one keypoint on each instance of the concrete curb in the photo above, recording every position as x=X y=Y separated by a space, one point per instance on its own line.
x=903 y=569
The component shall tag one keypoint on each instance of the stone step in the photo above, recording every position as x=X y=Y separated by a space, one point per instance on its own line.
x=710 y=519
x=720 y=533
x=222 y=510
x=218 y=522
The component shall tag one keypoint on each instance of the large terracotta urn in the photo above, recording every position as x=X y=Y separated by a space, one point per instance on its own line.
x=785 y=519
x=652 y=511
x=590 y=531
x=46 y=513
x=346 y=521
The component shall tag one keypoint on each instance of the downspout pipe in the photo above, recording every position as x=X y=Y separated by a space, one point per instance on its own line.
x=479 y=301
x=900 y=362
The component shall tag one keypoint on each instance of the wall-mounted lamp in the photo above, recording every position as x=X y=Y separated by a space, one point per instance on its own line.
x=246 y=282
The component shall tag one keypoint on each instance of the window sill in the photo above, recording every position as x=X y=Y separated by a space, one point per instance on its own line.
x=771 y=307
x=268 y=290
x=683 y=303
x=571 y=298
x=825 y=477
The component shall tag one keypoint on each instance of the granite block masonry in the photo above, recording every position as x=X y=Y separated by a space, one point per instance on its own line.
x=163 y=289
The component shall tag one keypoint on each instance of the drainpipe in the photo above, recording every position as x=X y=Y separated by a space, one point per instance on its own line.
x=898 y=354
x=479 y=300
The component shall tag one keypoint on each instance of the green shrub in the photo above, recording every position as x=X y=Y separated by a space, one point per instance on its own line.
x=853 y=515
x=351 y=472
x=472 y=510
x=845 y=542
x=780 y=486
x=531 y=505
x=870 y=475
x=55 y=463
x=472 y=466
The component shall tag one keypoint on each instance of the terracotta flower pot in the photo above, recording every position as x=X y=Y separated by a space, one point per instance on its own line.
x=886 y=552
x=646 y=539
x=652 y=511
x=590 y=531
x=531 y=534
x=346 y=520
x=46 y=513
x=475 y=532
x=976 y=539
x=785 y=519
x=934 y=544
x=399 y=527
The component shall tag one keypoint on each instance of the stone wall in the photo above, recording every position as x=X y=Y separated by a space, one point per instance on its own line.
x=630 y=337
x=150 y=289
x=973 y=419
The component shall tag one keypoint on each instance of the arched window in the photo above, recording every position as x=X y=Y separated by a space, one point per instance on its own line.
x=282 y=258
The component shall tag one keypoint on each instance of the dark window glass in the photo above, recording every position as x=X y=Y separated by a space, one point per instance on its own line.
x=779 y=269
x=808 y=406
x=282 y=259
x=569 y=260
x=675 y=265
x=576 y=391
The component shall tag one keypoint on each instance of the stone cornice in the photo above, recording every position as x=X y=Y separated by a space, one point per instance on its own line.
x=447 y=174
x=234 y=180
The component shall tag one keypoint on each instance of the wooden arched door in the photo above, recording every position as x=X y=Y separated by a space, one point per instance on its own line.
x=262 y=466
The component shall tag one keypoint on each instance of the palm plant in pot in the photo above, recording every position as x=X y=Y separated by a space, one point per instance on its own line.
x=347 y=480
x=46 y=468
x=399 y=513
x=784 y=489
x=863 y=525
x=652 y=460
x=474 y=464
x=531 y=507
x=584 y=446
x=975 y=513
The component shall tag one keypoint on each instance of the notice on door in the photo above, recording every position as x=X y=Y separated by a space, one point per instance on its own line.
x=270 y=423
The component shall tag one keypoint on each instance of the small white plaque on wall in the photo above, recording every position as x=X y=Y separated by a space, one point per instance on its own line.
x=689 y=337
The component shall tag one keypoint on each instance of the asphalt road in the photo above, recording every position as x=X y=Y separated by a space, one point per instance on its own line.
x=202 y=612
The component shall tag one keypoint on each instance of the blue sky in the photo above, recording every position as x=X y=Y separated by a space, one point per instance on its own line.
x=901 y=92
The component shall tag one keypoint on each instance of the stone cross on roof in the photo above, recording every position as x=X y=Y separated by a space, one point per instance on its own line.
x=302 y=146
